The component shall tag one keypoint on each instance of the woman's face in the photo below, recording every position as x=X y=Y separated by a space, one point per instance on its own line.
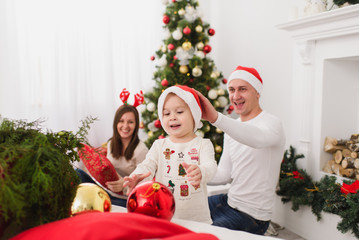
x=126 y=125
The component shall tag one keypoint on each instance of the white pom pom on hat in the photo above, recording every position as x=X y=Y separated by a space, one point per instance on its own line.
x=247 y=74
x=189 y=96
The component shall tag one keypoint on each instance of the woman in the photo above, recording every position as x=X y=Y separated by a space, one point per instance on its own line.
x=124 y=150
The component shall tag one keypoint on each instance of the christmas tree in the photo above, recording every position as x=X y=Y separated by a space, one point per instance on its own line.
x=183 y=59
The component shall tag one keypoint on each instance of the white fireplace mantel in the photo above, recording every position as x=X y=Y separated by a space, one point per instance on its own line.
x=323 y=42
x=325 y=98
x=341 y=21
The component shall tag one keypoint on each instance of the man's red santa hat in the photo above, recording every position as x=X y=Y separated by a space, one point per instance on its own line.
x=247 y=74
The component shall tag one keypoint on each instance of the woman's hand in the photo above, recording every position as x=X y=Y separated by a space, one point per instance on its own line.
x=194 y=174
x=209 y=113
x=133 y=180
x=115 y=186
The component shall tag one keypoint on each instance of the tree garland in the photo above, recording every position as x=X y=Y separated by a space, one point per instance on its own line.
x=327 y=195
x=37 y=180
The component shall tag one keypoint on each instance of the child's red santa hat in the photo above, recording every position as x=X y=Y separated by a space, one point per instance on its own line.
x=247 y=74
x=189 y=96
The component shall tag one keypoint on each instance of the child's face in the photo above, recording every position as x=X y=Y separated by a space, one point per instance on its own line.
x=177 y=119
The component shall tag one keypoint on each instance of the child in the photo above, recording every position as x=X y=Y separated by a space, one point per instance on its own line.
x=183 y=161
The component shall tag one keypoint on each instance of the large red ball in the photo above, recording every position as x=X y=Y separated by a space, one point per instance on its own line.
x=153 y=199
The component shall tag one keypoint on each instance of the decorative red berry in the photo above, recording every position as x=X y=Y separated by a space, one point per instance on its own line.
x=170 y=46
x=186 y=30
x=166 y=19
x=207 y=49
x=164 y=82
x=157 y=123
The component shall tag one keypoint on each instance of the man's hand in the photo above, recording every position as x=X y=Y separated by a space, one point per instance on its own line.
x=209 y=113
x=132 y=181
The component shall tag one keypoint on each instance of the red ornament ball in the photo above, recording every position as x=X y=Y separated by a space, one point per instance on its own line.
x=207 y=49
x=186 y=30
x=170 y=46
x=208 y=88
x=174 y=57
x=164 y=82
x=211 y=31
x=224 y=80
x=172 y=65
x=153 y=199
x=152 y=58
x=166 y=19
x=157 y=123
x=161 y=137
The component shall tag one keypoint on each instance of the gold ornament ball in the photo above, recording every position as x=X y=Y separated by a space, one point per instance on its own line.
x=199 y=28
x=206 y=128
x=219 y=131
x=150 y=134
x=90 y=197
x=196 y=71
x=186 y=45
x=218 y=149
x=216 y=104
x=220 y=91
x=183 y=69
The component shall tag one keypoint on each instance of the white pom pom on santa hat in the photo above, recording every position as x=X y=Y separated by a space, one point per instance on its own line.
x=189 y=96
x=247 y=74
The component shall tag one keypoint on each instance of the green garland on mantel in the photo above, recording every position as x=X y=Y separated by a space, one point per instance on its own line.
x=327 y=195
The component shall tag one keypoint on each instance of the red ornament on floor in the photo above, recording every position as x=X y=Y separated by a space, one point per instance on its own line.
x=153 y=199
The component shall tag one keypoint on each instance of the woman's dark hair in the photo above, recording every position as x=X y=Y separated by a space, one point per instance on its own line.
x=116 y=143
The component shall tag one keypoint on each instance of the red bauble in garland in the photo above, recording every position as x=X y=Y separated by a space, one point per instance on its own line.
x=208 y=88
x=174 y=57
x=166 y=19
x=157 y=123
x=171 y=65
x=207 y=49
x=186 y=30
x=224 y=80
x=164 y=82
x=152 y=58
x=153 y=199
x=211 y=31
x=170 y=46
x=161 y=137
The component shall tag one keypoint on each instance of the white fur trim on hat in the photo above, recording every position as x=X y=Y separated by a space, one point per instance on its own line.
x=246 y=76
x=188 y=98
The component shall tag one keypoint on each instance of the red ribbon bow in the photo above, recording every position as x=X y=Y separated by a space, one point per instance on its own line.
x=350 y=188
x=296 y=174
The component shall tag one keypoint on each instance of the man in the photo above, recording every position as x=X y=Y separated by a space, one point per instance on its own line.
x=252 y=153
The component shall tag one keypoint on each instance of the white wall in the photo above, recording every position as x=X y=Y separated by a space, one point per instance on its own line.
x=246 y=34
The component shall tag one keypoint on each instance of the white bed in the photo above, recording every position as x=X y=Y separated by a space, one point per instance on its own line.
x=221 y=233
